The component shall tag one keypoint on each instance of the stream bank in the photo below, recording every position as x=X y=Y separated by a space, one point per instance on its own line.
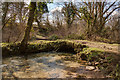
x=93 y=59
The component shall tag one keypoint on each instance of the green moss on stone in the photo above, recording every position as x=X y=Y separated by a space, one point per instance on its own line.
x=43 y=46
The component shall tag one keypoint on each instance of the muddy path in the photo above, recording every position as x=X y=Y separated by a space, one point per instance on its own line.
x=104 y=46
x=47 y=65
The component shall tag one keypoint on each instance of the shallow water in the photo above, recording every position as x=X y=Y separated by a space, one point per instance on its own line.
x=45 y=65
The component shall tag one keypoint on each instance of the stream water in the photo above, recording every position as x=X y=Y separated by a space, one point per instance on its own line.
x=45 y=65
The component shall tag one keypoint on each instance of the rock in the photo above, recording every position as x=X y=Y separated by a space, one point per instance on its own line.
x=90 y=68
x=5 y=73
x=104 y=46
x=81 y=76
x=96 y=63
x=102 y=57
x=97 y=69
x=93 y=58
x=14 y=61
x=84 y=42
x=83 y=56
x=27 y=66
x=1 y=66
x=110 y=48
x=105 y=61
x=19 y=74
x=69 y=73
x=119 y=62
x=28 y=70
x=89 y=63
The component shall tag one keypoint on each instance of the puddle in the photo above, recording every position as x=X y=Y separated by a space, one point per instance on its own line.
x=45 y=65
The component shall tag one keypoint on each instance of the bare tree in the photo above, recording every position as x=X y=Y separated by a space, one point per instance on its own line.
x=14 y=20
x=69 y=13
x=96 y=14
x=5 y=10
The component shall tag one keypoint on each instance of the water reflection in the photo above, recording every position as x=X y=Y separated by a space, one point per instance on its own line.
x=43 y=65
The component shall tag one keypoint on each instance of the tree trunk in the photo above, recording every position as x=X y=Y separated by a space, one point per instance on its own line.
x=5 y=10
x=119 y=31
x=24 y=42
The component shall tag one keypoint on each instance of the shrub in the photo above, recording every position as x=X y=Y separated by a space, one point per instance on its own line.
x=76 y=36
x=101 y=39
x=54 y=37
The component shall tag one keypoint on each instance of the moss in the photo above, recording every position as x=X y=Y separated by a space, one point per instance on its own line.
x=90 y=54
x=106 y=60
x=43 y=46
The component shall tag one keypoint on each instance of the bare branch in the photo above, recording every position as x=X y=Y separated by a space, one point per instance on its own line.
x=109 y=7
x=111 y=12
x=7 y=21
